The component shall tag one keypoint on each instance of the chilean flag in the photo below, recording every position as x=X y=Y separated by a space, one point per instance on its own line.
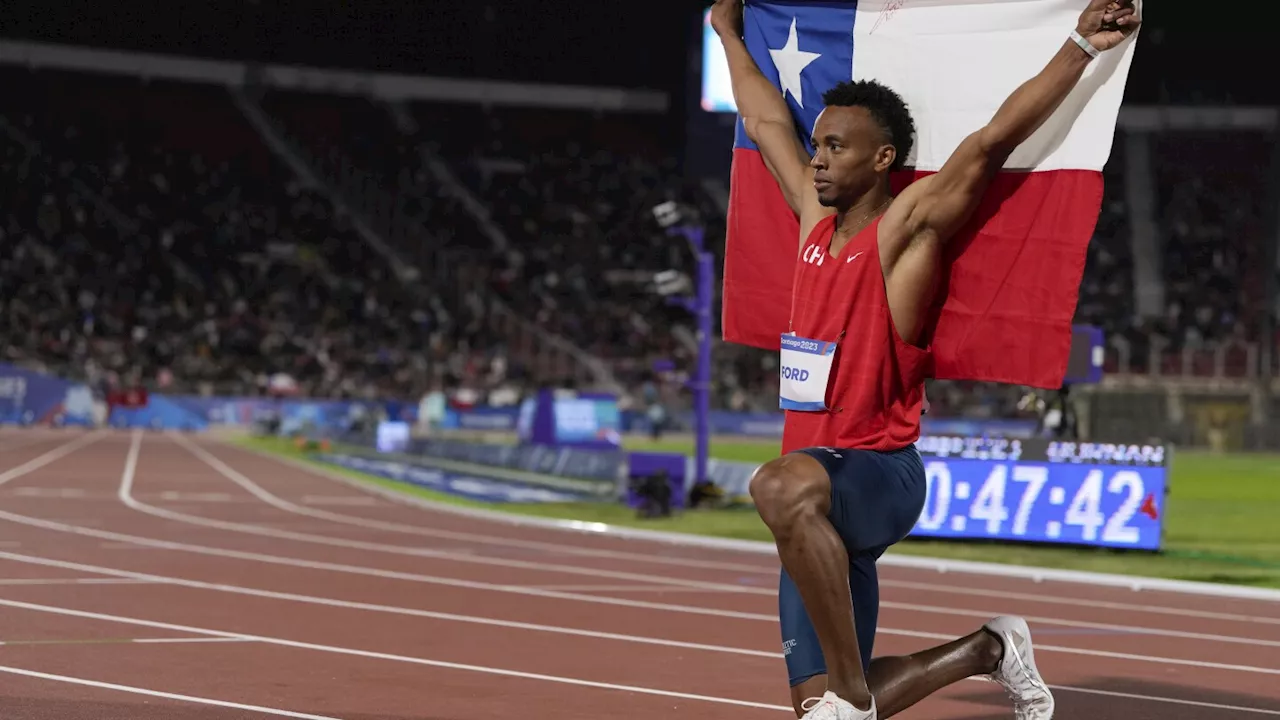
x=1015 y=270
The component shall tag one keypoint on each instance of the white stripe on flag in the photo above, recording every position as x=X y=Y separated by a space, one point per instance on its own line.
x=956 y=61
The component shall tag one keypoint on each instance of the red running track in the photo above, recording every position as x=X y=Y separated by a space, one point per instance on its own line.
x=174 y=577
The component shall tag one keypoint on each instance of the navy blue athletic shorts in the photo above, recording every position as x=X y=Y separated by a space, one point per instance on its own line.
x=876 y=498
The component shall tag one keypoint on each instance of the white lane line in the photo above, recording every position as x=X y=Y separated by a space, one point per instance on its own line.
x=43 y=459
x=546 y=678
x=512 y=589
x=213 y=497
x=137 y=540
x=749 y=568
x=1077 y=602
x=166 y=695
x=70 y=581
x=58 y=493
x=123 y=641
x=403 y=500
x=369 y=571
x=1192 y=703
x=1107 y=627
x=168 y=495
x=386 y=656
x=131 y=463
x=386 y=609
x=179 y=641
x=940 y=566
x=127 y=497
x=620 y=588
x=127 y=481
x=352 y=500
x=27 y=442
x=555 y=629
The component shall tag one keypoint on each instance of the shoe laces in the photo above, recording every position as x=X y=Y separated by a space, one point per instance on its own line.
x=819 y=704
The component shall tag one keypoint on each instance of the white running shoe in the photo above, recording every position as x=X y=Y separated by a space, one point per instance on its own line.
x=831 y=707
x=1017 y=672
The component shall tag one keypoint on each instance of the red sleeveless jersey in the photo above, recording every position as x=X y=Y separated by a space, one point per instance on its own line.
x=876 y=389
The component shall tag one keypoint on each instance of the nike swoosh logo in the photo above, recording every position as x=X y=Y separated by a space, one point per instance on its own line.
x=855 y=257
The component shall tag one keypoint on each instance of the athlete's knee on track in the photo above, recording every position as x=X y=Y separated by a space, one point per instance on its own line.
x=790 y=490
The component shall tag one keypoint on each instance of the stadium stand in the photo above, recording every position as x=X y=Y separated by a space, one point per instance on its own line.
x=194 y=251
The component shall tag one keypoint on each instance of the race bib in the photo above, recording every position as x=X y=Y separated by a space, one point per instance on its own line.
x=806 y=368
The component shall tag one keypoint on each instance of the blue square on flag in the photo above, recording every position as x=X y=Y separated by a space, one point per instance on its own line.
x=810 y=50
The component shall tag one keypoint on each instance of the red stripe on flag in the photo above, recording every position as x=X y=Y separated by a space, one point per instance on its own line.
x=762 y=241
x=1011 y=292
x=1015 y=279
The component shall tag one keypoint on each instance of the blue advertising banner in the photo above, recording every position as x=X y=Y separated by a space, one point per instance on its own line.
x=575 y=423
x=732 y=477
x=160 y=413
x=301 y=415
x=605 y=466
x=585 y=421
x=500 y=419
x=472 y=487
x=608 y=467
x=769 y=425
x=1029 y=490
x=32 y=398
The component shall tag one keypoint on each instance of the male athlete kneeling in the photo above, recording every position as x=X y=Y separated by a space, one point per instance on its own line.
x=851 y=483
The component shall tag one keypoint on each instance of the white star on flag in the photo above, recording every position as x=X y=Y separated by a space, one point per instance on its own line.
x=790 y=61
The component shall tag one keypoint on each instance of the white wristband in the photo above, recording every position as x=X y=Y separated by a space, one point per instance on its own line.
x=1085 y=44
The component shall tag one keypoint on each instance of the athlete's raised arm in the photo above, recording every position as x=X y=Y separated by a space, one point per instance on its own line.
x=933 y=209
x=767 y=119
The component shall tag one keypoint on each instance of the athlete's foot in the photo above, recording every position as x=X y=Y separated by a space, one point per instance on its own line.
x=831 y=707
x=1016 y=671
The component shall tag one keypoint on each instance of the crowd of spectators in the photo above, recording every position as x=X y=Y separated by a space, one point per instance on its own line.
x=155 y=239
x=1211 y=195
x=571 y=196
x=152 y=236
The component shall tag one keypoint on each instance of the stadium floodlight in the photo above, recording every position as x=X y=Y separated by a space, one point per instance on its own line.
x=696 y=294
x=671 y=282
x=683 y=221
x=671 y=214
x=667 y=214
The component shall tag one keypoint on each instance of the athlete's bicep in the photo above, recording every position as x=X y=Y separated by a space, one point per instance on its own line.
x=910 y=261
x=900 y=226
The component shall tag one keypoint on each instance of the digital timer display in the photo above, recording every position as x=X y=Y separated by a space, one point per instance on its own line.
x=1035 y=490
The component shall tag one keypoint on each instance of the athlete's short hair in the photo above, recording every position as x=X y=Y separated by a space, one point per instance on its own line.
x=885 y=105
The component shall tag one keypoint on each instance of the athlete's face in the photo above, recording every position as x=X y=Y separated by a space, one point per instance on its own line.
x=851 y=154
